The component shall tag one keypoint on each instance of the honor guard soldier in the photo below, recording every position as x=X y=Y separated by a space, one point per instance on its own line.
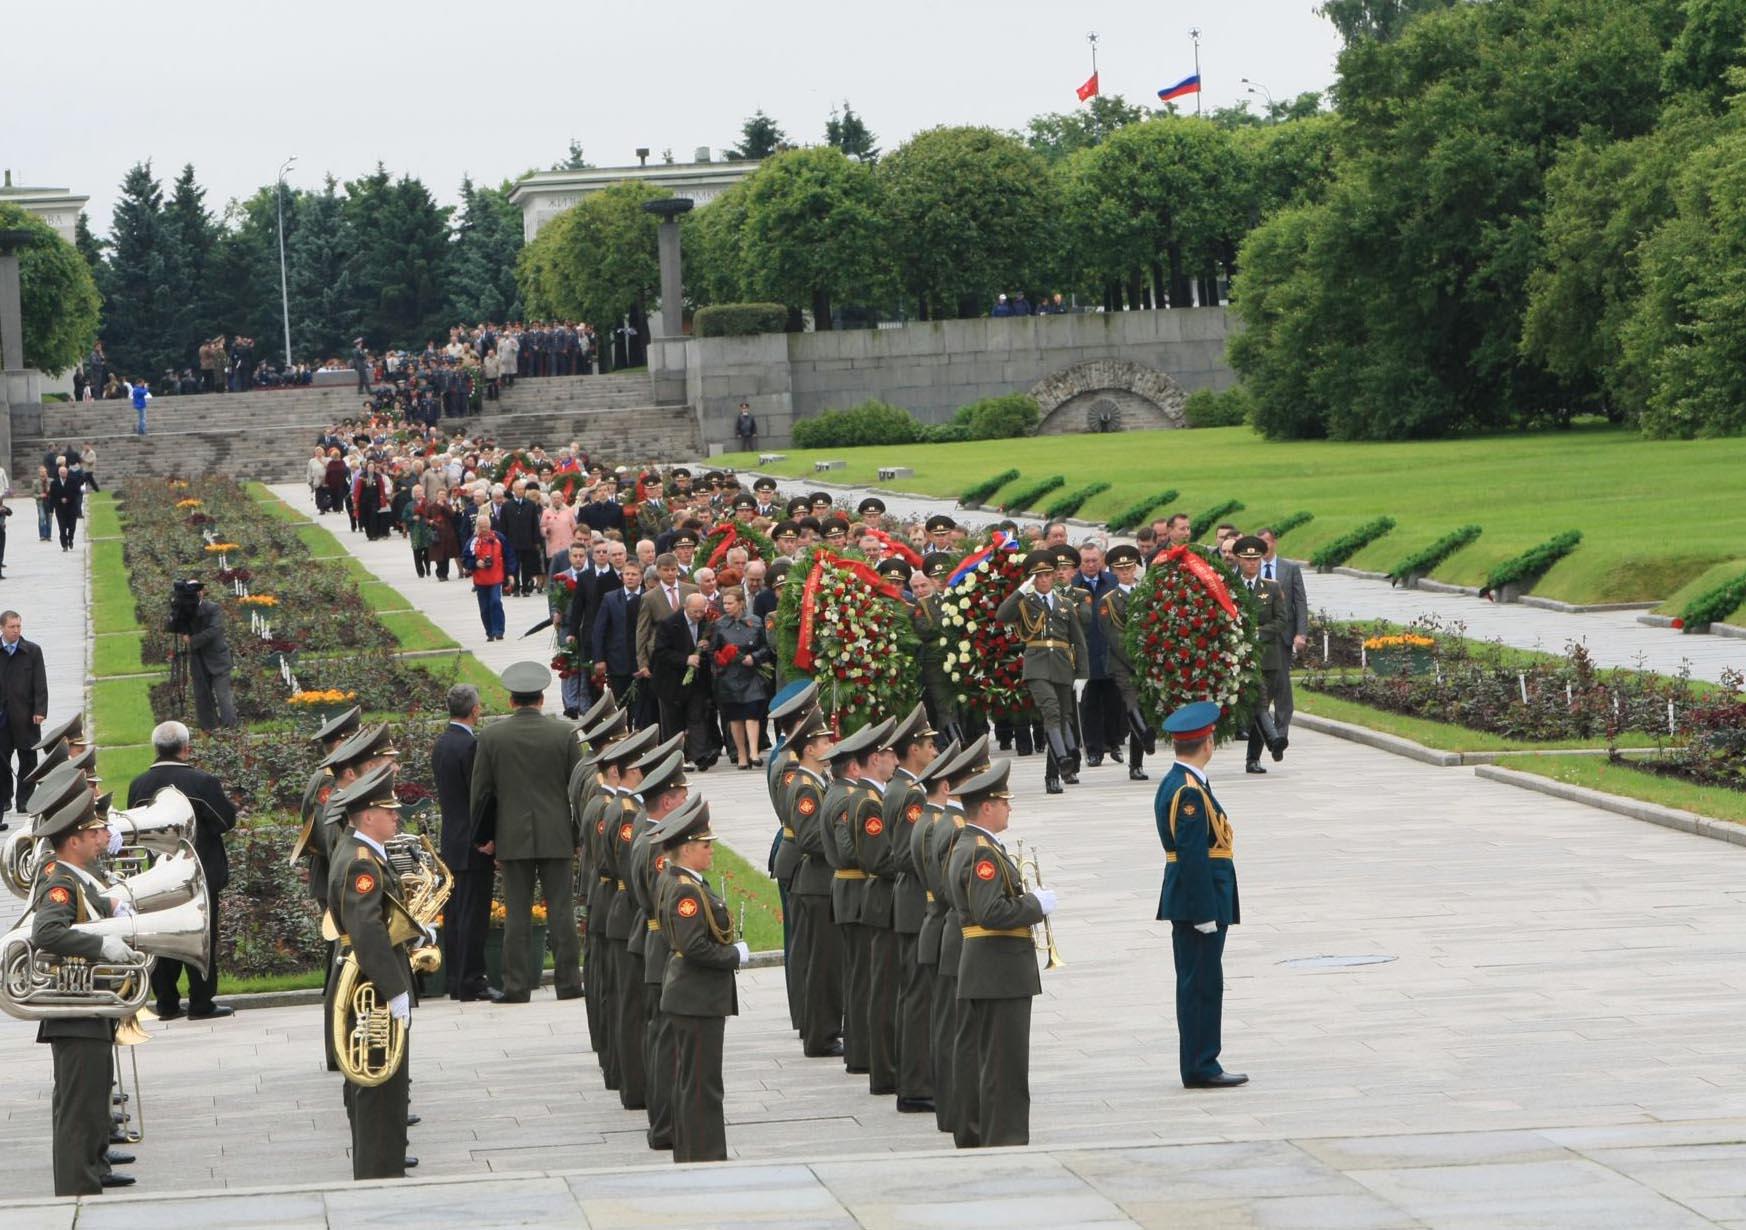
x=818 y=948
x=364 y=901
x=877 y=827
x=697 y=991
x=901 y=812
x=1200 y=893
x=997 y=974
x=821 y=504
x=798 y=507
x=1274 y=628
x=663 y=789
x=588 y=800
x=939 y=529
x=852 y=767
x=954 y=1047
x=59 y=743
x=786 y=535
x=615 y=825
x=68 y=892
x=938 y=691
x=316 y=791
x=870 y=510
x=1048 y=624
x=1112 y=615
x=764 y=489
x=790 y=708
x=835 y=530
x=913 y=1051
x=896 y=570
x=745 y=508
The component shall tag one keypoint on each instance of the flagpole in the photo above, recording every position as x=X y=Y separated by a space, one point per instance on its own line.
x=1194 y=33
x=1092 y=39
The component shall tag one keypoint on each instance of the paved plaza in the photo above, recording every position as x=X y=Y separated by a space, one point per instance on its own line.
x=1546 y=1035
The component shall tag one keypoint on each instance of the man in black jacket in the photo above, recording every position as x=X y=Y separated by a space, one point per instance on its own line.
x=681 y=678
x=468 y=911
x=209 y=663
x=614 y=641
x=23 y=704
x=520 y=529
x=214 y=816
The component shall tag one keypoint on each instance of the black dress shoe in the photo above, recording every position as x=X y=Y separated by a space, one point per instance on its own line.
x=521 y=997
x=660 y=1144
x=1115 y=755
x=168 y=1014
x=1053 y=787
x=915 y=1106
x=118 y=1136
x=833 y=1051
x=1224 y=1080
x=1278 y=748
x=1254 y=766
x=570 y=993
x=1093 y=759
x=411 y=1163
x=117 y=1158
x=112 y=1179
x=1136 y=774
x=414 y=1120
x=212 y=1013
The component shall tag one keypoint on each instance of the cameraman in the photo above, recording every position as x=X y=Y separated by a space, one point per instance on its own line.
x=199 y=622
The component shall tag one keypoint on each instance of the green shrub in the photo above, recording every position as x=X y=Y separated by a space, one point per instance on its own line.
x=1421 y=562
x=1198 y=527
x=1350 y=543
x=977 y=496
x=1282 y=528
x=739 y=319
x=945 y=433
x=1134 y=514
x=1206 y=408
x=1532 y=563
x=1000 y=418
x=1071 y=503
x=871 y=422
x=1027 y=497
x=1717 y=604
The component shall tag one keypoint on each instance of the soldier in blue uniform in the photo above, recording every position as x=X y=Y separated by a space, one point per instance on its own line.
x=1200 y=893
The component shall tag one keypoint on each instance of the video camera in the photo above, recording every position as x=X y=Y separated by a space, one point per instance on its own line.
x=184 y=606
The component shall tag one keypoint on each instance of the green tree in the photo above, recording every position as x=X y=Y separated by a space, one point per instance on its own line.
x=244 y=269
x=715 y=270
x=1377 y=20
x=190 y=236
x=90 y=246
x=400 y=239
x=1711 y=39
x=596 y=261
x=57 y=295
x=851 y=135
x=487 y=241
x=969 y=212
x=139 y=332
x=759 y=138
x=575 y=160
x=812 y=230
x=1056 y=134
x=325 y=311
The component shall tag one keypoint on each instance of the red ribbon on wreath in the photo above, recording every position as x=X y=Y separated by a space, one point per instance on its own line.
x=721 y=548
x=1203 y=572
x=896 y=546
x=803 y=655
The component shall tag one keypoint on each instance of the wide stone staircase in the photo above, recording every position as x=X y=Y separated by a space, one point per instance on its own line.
x=268 y=433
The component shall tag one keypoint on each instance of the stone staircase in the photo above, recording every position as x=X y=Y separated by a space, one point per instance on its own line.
x=268 y=434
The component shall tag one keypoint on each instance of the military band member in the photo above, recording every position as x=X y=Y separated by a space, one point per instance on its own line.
x=1200 y=894
x=851 y=766
x=905 y=804
x=927 y=945
x=663 y=789
x=1274 y=627
x=790 y=710
x=1048 y=624
x=997 y=974
x=697 y=991
x=1112 y=614
x=587 y=780
x=617 y=829
x=875 y=847
x=68 y=892
x=954 y=1048
x=315 y=795
x=363 y=896
x=818 y=948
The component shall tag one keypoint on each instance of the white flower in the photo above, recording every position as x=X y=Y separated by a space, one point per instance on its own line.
x=970 y=625
x=969 y=581
x=964 y=647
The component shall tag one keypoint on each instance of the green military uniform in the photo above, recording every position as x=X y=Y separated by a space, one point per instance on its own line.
x=789 y=714
x=938 y=691
x=880 y=829
x=1273 y=626
x=906 y=812
x=843 y=804
x=954 y=1049
x=602 y=884
x=1055 y=655
x=697 y=989
x=818 y=945
x=648 y=863
x=601 y=725
x=997 y=974
x=82 y=1046
x=617 y=826
x=933 y=1051
x=1112 y=617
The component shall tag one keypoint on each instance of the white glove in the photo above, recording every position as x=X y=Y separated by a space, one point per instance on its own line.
x=114 y=837
x=1045 y=898
x=1206 y=928
x=120 y=904
x=400 y=1008
x=430 y=936
x=745 y=953
x=1028 y=586
x=115 y=950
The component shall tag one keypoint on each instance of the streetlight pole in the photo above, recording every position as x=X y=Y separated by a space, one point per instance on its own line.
x=284 y=292
x=1257 y=87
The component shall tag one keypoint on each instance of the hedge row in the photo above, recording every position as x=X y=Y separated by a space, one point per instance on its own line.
x=1349 y=544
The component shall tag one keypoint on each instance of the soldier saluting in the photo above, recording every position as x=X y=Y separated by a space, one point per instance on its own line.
x=1048 y=625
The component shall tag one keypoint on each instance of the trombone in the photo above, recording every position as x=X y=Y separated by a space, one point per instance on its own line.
x=1031 y=876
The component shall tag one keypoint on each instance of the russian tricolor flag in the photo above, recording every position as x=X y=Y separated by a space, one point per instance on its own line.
x=1188 y=85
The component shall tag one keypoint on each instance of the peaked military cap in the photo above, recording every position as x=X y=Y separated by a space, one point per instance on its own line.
x=785 y=529
x=72 y=729
x=659 y=752
x=105 y=802
x=912 y=726
x=1039 y=561
x=990 y=784
x=938 y=565
x=799 y=506
x=968 y=763
x=812 y=725
x=79 y=812
x=834 y=525
x=940 y=523
x=339 y=726
x=819 y=499
x=687 y=822
x=872 y=506
x=607 y=730
x=669 y=774
x=685 y=538
x=745 y=501
x=764 y=483
x=1065 y=554
x=869 y=738
x=373 y=789
x=945 y=757
x=777 y=573
x=526 y=678
x=623 y=751
x=56 y=790
x=793 y=700
x=1250 y=547
x=1192 y=722
x=597 y=710
x=894 y=567
x=86 y=760
x=370 y=741
x=1122 y=554
x=58 y=755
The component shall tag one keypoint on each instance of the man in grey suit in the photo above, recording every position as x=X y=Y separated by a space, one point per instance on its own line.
x=520 y=801
x=660 y=600
x=1290 y=579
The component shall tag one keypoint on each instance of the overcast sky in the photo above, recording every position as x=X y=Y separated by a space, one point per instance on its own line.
x=437 y=89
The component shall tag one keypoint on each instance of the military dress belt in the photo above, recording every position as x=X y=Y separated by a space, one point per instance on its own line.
x=787 y=833
x=850 y=873
x=1170 y=855
x=984 y=933
x=1048 y=644
x=621 y=887
x=654 y=924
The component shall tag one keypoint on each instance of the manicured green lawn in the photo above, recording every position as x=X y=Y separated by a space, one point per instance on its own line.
x=492 y=695
x=1597 y=773
x=380 y=596
x=112 y=608
x=117 y=653
x=118 y=766
x=415 y=632
x=101 y=519
x=121 y=710
x=1652 y=512
x=739 y=880
x=1443 y=736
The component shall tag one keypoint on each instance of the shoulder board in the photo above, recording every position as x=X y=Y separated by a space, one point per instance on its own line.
x=982 y=843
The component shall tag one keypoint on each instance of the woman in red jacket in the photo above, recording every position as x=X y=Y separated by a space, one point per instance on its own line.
x=488 y=558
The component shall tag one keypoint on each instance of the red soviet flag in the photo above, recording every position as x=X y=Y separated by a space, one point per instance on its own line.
x=1089 y=89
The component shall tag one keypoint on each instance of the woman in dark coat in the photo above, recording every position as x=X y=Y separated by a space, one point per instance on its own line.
x=338 y=486
x=445 y=540
x=373 y=498
x=738 y=651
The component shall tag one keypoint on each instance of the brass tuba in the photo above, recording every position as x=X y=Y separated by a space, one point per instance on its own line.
x=368 y=1042
x=425 y=885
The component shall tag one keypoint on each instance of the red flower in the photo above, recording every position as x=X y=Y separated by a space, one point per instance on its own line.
x=726 y=654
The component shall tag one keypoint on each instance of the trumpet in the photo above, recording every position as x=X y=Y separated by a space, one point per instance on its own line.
x=1031 y=876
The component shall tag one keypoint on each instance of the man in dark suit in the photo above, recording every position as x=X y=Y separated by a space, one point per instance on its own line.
x=520 y=528
x=214 y=816
x=1100 y=719
x=679 y=652
x=662 y=599
x=23 y=704
x=614 y=640
x=209 y=662
x=521 y=809
x=1290 y=579
x=595 y=578
x=467 y=913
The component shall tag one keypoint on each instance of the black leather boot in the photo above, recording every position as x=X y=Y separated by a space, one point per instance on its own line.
x=1136 y=757
x=1051 y=773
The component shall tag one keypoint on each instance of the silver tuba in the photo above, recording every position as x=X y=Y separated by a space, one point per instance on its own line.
x=157 y=827
x=21 y=854
x=38 y=986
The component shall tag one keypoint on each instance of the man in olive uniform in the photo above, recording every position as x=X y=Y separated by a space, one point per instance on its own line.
x=938 y=690
x=875 y=830
x=1048 y=624
x=624 y=928
x=697 y=990
x=68 y=893
x=596 y=832
x=997 y=975
x=788 y=711
x=1200 y=894
x=954 y=1047
x=520 y=771
x=918 y=1060
x=362 y=893
x=905 y=803
x=818 y=946
x=852 y=768
x=939 y=529
x=663 y=789
x=1274 y=627
x=1112 y=617
x=315 y=795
